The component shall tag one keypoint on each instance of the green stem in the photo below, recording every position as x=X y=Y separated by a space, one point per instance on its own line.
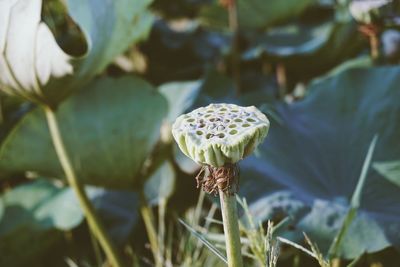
x=231 y=229
x=162 y=205
x=94 y=222
x=281 y=77
x=1 y=110
x=148 y=219
x=96 y=249
x=374 y=44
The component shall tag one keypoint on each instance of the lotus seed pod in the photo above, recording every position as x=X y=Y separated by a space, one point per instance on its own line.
x=220 y=134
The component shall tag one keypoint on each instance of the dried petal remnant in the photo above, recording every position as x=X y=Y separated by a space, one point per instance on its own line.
x=212 y=179
x=220 y=134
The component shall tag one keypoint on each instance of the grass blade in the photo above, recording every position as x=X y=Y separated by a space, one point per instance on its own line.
x=356 y=198
x=295 y=245
x=204 y=241
x=355 y=202
x=355 y=261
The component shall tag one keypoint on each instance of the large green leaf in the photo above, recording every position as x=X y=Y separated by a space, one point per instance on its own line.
x=40 y=204
x=118 y=210
x=32 y=212
x=184 y=53
x=321 y=45
x=161 y=184
x=309 y=165
x=32 y=64
x=109 y=128
x=180 y=96
x=390 y=170
x=255 y=13
x=35 y=212
x=363 y=61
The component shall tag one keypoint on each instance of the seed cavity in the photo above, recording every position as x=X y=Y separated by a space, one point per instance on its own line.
x=219 y=122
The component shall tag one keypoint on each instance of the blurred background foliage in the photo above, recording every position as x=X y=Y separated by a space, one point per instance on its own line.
x=325 y=72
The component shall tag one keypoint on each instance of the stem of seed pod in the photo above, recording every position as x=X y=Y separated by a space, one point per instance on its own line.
x=93 y=220
x=231 y=229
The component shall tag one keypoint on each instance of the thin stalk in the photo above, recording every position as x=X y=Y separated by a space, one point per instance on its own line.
x=281 y=79
x=1 y=110
x=231 y=229
x=96 y=249
x=211 y=212
x=372 y=33
x=94 y=222
x=148 y=219
x=234 y=27
x=199 y=205
x=168 y=249
x=374 y=44
x=162 y=204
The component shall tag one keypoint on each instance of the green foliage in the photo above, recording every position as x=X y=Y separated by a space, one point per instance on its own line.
x=200 y=237
x=321 y=44
x=354 y=203
x=255 y=13
x=40 y=204
x=302 y=178
x=180 y=96
x=31 y=213
x=160 y=185
x=390 y=170
x=110 y=127
x=263 y=246
x=315 y=152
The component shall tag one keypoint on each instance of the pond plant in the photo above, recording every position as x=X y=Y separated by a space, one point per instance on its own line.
x=217 y=137
x=90 y=174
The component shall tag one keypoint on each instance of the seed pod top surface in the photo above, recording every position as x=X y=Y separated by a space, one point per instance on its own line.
x=220 y=133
